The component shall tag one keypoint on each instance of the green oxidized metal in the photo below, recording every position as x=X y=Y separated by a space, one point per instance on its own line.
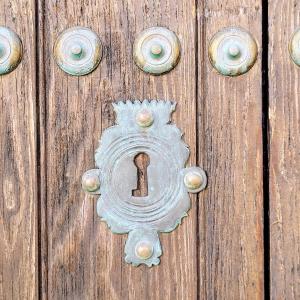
x=78 y=51
x=156 y=50
x=294 y=47
x=10 y=50
x=232 y=51
x=143 y=127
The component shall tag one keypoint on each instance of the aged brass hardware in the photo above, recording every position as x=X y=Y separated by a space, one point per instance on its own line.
x=294 y=47
x=194 y=179
x=232 y=51
x=143 y=127
x=10 y=50
x=156 y=50
x=91 y=181
x=144 y=118
x=78 y=51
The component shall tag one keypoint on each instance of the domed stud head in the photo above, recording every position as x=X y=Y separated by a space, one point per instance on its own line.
x=78 y=51
x=10 y=50
x=294 y=47
x=91 y=181
x=232 y=51
x=144 y=250
x=195 y=179
x=156 y=50
x=144 y=118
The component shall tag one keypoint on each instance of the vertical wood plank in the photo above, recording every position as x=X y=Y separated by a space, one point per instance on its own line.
x=18 y=192
x=284 y=119
x=82 y=258
x=230 y=149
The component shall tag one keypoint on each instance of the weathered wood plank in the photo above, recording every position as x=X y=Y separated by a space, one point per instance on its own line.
x=230 y=149
x=284 y=118
x=83 y=259
x=18 y=193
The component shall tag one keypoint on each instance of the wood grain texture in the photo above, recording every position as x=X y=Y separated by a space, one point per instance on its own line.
x=230 y=149
x=18 y=192
x=82 y=259
x=284 y=118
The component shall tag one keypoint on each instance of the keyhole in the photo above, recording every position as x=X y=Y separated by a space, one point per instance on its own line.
x=141 y=162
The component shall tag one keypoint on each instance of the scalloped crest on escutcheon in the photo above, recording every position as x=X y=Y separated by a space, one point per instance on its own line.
x=143 y=127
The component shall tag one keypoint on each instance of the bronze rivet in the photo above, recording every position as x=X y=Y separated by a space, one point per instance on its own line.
x=144 y=118
x=156 y=49
x=90 y=182
x=195 y=179
x=144 y=250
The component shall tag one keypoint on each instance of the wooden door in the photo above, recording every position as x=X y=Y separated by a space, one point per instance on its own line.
x=241 y=239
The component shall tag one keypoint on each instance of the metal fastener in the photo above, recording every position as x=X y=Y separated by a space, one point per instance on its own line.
x=144 y=118
x=232 y=51
x=294 y=47
x=91 y=181
x=144 y=250
x=156 y=50
x=10 y=50
x=195 y=179
x=78 y=51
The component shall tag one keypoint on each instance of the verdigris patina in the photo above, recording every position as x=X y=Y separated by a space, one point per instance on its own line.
x=143 y=127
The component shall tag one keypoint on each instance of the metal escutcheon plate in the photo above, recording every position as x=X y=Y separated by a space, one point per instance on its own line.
x=156 y=50
x=78 y=51
x=232 y=51
x=10 y=50
x=143 y=127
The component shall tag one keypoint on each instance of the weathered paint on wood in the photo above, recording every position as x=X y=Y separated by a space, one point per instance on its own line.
x=18 y=162
x=284 y=133
x=83 y=259
x=230 y=149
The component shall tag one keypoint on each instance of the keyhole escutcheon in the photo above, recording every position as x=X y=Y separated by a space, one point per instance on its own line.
x=141 y=162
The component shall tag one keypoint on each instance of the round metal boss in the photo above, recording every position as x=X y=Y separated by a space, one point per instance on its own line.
x=294 y=47
x=78 y=51
x=156 y=50
x=232 y=51
x=10 y=50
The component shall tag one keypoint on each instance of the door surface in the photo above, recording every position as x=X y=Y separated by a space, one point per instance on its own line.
x=241 y=239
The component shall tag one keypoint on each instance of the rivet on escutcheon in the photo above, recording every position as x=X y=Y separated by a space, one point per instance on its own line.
x=91 y=181
x=294 y=47
x=78 y=51
x=144 y=118
x=195 y=179
x=10 y=50
x=143 y=250
x=156 y=50
x=232 y=51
